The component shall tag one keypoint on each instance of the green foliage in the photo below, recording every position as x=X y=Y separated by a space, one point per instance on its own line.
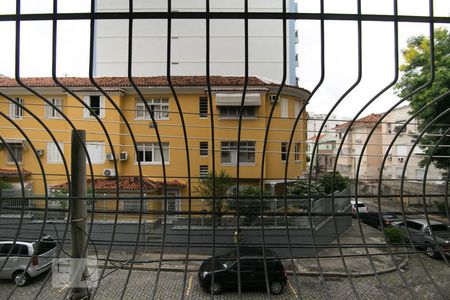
x=249 y=202
x=394 y=235
x=340 y=182
x=440 y=205
x=416 y=72
x=5 y=185
x=300 y=188
x=222 y=184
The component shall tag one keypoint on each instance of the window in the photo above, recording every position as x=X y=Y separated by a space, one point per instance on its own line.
x=284 y=108
x=203 y=148
x=96 y=104
x=297 y=151
x=50 y=111
x=159 y=107
x=203 y=107
x=283 y=151
x=246 y=152
x=53 y=155
x=134 y=205
x=17 y=152
x=234 y=111
x=15 y=111
x=297 y=108
x=150 y=153
x=203 y=171
x=96 y=151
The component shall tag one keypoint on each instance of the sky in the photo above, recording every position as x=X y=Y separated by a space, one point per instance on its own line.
x=341 y=58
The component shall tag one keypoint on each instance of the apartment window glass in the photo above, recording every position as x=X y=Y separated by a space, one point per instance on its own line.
x=203 y=107
x=150 y=153
x=246 y=152
x=284 y=108
x=204 y=171
x=203 y=148
x=15 y=111
x=283 y=151
x=50 y=110
x=297 y=108
x=159 y=107
x=96 y=104
x=17 y=152
x=96 y=151
x=134 y=205
x=53 y=155
x=233 y=111
x=297 y=151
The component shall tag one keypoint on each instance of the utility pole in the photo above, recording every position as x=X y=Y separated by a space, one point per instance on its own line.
x=78 y=209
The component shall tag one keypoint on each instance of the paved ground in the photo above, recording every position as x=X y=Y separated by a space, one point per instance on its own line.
x=419 y=277
x=170 y=286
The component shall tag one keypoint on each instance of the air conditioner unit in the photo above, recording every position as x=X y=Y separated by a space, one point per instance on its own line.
x=109 y=172
x=109 y=156
x=389 y=157
x=400 y=159
x=123 y=155
x=40 y=152
x=273 y=98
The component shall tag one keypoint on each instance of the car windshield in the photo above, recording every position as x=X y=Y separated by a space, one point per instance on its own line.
x=388 y=216
x=226 y=264
x=360 y=205
x=439 y=227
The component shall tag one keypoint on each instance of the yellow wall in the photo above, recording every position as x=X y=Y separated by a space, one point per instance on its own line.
x=198 y=129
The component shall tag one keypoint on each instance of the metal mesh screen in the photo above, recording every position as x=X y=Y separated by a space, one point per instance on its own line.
x=182 y=167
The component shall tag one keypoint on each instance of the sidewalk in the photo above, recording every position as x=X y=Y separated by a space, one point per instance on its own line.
x=356 y=260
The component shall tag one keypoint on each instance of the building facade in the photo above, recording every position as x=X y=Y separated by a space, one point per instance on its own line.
x=188 y=41
x=155 y=158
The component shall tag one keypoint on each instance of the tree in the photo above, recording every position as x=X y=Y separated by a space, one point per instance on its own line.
x=5 y=184
x=223 y=183
x=416 y=72
x=249 y=202
x=300 y=188
x=340 y=182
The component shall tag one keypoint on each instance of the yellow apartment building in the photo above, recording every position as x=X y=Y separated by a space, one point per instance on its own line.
x=192 y=95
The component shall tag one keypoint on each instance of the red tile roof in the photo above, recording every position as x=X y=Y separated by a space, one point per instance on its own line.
x=364 y=121
x=127 y=184
x=13 y=172
x=155 y=81
x=314 y=137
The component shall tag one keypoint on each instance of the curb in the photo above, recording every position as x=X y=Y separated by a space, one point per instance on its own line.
x=289 y=272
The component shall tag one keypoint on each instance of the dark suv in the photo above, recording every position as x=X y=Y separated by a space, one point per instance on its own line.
x=251 y=269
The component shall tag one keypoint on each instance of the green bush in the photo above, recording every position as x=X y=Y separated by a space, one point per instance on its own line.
x=334 y=182
x=5 y=185
x=394 y=235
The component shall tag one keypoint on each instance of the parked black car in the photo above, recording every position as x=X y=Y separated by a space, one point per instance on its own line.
x=372 y=218
x=251 y=269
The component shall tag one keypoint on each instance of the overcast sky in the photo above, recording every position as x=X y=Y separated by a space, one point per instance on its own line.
x=340 y=45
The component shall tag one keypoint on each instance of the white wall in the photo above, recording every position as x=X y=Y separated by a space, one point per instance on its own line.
x=188 y=49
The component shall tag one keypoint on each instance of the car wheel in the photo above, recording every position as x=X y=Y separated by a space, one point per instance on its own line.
x=19 y=280
x=217 y=287
x=431 y=252
x=276 y=287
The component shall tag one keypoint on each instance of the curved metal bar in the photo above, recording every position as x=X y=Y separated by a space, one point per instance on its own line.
x=266 y=136
x=297 y=119
x=355 y=84
x=388 y=149
x=22 y=212
x=44 y=179
x=158 y=136
x=213 y=146
x=402 y=181
x=244 y=92
x=186 y=144
x=439 y=142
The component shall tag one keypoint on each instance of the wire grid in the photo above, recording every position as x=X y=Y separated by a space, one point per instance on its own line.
x=265 y=233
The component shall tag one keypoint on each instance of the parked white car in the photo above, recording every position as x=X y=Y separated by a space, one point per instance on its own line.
x=358 y=208
x=41 y=253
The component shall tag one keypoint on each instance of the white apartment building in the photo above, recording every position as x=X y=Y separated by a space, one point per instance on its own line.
x=315 y=121
x=402 y=147
x=188 y=41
